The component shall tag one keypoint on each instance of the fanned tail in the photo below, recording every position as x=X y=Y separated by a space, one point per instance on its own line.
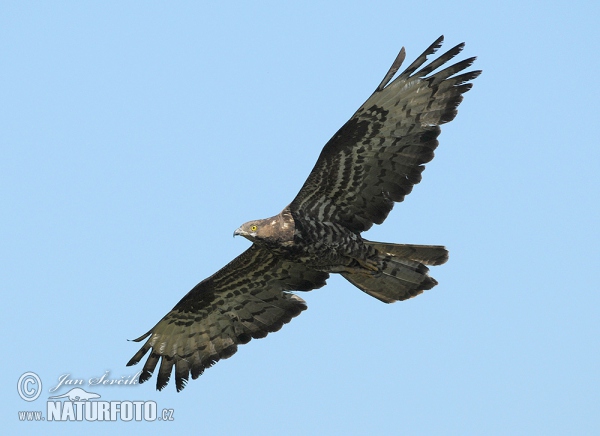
x=402 y=274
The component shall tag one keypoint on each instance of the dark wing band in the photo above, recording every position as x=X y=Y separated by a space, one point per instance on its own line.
x=377 y=157
x=246 y=299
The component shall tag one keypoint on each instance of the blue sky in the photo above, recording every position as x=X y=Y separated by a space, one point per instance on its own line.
x=136 y=136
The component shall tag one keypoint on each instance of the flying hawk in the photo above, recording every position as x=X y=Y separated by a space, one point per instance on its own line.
x=374 y=160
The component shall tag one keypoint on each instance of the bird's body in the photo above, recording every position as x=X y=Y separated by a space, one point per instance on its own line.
x=324 y=246
x=373 y=161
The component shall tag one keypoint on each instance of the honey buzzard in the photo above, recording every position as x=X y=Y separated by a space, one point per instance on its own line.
x=373 y=161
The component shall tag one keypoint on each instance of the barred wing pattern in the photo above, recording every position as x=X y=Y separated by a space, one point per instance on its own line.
x=373 y=161
x=246 y=299
x=377 y=157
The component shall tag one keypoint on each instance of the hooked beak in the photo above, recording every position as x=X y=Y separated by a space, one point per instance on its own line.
x=238 y=232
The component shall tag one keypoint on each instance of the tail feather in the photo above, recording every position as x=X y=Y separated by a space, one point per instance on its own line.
x=402 y=274
x=425 y=254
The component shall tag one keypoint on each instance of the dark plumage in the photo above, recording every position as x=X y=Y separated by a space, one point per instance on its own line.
x=373 y=161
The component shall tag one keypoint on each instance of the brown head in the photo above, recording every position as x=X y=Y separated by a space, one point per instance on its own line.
x=278 y=229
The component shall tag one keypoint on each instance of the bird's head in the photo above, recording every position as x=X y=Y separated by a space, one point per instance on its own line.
x=250 y=230
x=276 y=230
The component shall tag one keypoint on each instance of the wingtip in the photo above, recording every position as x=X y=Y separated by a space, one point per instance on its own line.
x=435 y=46
x=141 y=338
x=393 y=69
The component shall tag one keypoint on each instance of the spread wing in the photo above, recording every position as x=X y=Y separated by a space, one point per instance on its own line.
x=246 y=299
x=377 y=157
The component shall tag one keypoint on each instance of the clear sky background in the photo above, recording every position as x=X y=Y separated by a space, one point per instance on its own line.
x=136 y=136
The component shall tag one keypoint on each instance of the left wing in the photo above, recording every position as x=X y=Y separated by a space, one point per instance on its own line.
x=245 y=299
x=378 y=155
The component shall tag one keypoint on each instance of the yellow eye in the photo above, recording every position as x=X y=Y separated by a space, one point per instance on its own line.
x=253 y=228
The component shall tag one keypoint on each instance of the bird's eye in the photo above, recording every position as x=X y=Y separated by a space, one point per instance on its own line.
x=253 y=228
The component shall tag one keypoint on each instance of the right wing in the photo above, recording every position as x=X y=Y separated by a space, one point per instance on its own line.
x=378 y=155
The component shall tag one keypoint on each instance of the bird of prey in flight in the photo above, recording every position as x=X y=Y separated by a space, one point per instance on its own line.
x=372 y=162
